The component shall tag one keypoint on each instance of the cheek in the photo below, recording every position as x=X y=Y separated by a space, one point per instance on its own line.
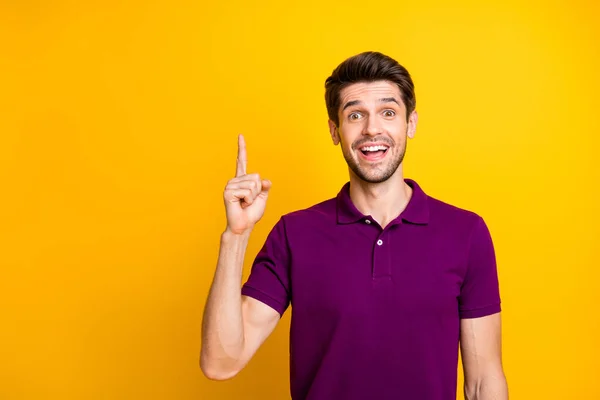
x=398 y=132
x=396 y=126
x=350 y=134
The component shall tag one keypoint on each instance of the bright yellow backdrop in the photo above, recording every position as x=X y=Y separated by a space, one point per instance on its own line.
x=118 y=133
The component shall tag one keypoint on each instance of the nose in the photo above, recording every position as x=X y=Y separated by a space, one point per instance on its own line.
x=372 y=127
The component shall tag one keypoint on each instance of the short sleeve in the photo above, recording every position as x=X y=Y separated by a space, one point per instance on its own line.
x=269 y=279
x=480 y=292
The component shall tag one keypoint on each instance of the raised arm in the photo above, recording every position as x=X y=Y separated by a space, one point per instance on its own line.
x=234 y=326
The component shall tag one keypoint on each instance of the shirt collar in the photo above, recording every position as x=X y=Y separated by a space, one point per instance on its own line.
x=416 y=211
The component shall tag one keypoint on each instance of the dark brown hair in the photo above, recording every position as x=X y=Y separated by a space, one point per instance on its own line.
x=369 y=66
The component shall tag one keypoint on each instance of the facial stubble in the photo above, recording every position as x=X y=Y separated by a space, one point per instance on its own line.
x=391 y=168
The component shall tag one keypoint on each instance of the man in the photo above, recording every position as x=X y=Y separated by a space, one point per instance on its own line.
x=386 y=282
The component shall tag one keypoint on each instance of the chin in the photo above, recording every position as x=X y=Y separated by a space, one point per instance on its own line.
x=373 y=175
x=373 y=178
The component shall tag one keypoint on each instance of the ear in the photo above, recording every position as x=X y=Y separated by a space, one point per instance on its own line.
x=412 y=124
x=333 y=131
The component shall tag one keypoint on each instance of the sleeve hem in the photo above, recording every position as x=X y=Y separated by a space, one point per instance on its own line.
x=481 y=311
x=264 y=298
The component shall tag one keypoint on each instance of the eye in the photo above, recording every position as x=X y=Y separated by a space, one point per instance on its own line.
x=354 y=116
x=389 y=113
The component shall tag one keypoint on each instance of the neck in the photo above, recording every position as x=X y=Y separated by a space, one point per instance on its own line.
x=383 y=201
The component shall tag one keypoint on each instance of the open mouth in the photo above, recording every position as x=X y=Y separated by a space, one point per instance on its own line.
x=373 y=153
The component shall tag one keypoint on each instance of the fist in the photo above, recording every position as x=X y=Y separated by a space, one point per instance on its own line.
x=245 y=195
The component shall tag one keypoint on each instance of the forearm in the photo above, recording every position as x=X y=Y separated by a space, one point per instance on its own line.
x=222 y=326
x=491 y=387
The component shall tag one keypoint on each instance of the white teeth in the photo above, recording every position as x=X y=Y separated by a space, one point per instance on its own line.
x=374 y=148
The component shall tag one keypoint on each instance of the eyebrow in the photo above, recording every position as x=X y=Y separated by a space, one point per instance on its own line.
x=382 y=100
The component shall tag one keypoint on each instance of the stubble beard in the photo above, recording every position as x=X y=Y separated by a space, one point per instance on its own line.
x=376 y=174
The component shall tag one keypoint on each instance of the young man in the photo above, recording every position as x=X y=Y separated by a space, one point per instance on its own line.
x=386 y=283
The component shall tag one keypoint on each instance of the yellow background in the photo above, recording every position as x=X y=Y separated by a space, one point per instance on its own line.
x=118 y=134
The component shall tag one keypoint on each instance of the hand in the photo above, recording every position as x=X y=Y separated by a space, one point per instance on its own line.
x=245 y=195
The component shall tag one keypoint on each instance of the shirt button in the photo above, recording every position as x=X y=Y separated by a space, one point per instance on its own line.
x=380 y=242
x=368 y=221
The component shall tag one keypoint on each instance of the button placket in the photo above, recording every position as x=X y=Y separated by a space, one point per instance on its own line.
x=381 y=259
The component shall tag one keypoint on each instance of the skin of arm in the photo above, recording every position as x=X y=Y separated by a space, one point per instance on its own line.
x=481 y=351
x=234 y=326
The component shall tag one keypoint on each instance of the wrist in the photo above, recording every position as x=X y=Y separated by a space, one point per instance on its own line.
x=230 y=235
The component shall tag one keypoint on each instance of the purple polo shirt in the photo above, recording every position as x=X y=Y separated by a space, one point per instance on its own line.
x=376 y=312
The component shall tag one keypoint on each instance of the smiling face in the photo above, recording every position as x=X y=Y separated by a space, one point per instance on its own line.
x=373 y=129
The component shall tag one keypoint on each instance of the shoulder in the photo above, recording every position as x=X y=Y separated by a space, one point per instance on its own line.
x=323 y=211
x=461 y=230
x=452 y=218
x=444 y=210
x=305 y=222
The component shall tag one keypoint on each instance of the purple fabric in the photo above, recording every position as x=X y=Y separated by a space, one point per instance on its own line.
x=376 y=313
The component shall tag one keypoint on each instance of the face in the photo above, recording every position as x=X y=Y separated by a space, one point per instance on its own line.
x=373 y=129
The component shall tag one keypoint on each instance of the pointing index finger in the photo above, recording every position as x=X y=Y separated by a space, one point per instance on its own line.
x=241 y=157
